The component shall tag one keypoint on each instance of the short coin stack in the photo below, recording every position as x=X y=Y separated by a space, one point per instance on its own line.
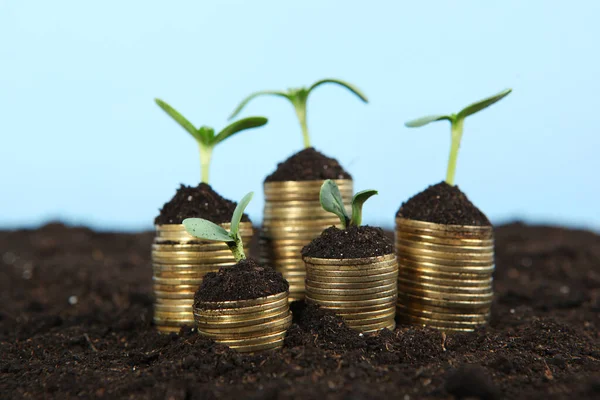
x=363 y=291
x=445 y=274
x=179 y=262
x=293 y=217
x=246 y=326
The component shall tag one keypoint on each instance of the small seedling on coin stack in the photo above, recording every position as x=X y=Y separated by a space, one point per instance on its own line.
x=456 y=127
x=204 y=229
x=205 y=136
x=298 y=97
x=331 y=200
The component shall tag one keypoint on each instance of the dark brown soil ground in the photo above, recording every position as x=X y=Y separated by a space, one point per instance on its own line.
x=76 y=322
x=354 y=242
x=197 y=202
x=443 y=204
x=247 y=280
x=307 y=165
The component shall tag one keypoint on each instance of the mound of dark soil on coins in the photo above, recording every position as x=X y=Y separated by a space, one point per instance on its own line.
x=443 y=204
x=197 y=202
x=308 y=165
x=354 y=242
x=76 y=322
x=246 y=280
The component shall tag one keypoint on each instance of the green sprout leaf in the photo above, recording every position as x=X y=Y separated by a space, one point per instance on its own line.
x=456 y=127
x=247 y=100
x=481 y=104
x=298 y=97
x=238 y=126
x=347 y=85
x=238 y=213
x=205 y=135
x=416 y=123
x=357 y=204
x=180 y=119
x=205 y=229
x=331 y=200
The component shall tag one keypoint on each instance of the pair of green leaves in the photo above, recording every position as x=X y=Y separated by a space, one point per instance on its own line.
x=456 y=127
x=298 y=97
x=207 y=230
x=206 y=137
x=331 y=200
x=462 y=114
x=205 y=134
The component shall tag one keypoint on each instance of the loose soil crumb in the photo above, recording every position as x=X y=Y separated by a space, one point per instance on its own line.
x=307 y=165
x=543 y=341
x=443 y=204
x=353 y=242
x=197 y=202
x=246 y=280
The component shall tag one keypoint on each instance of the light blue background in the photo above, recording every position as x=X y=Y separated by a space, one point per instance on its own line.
x=82 y=140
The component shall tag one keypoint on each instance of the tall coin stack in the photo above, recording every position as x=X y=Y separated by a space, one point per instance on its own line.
x=445 y=274
x=246 y=326
x=363 y=291
x=293 y=217
x=179 y=262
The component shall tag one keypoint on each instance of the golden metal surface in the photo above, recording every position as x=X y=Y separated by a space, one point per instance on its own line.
x=245 y=325
x=179 y=263
x=293 y=217
x=445 y=274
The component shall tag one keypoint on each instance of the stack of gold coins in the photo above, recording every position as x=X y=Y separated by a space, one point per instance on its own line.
x=363 y=291
x=445 y=274
x=179 y=262
x=293 y=217
x=246 y=326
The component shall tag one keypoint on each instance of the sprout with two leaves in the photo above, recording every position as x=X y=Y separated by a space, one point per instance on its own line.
x=205 y=136
x=298 y=97
x=331 y=200
x=456 y=127
x=204 y=229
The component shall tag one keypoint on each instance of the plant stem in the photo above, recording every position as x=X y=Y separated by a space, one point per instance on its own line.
x=457 y=131
x=237 y=248
x=300 y=107
x=205 y=157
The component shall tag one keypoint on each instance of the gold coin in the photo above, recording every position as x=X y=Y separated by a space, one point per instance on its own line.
x=360 y=297
x=207 y=323
x=159 y=288
x=170 y=295
x=482 y=318
x=445 y=257
x=371 y=319
x=353 y=303
x=356 y=273
x=407 y=298
x=159 y=320
x=356 y=309
x=351 y=286
x=456 y=289
x=268 y=338
x=177 y=232
x=279 y=302
x=458 y=230
x=388 y=309
x=352 y=279
x=442 y=248
x=205 y=318
x=435 y=294
x=348 y=268
x=177 y=282
x=426 y=264
x=248 y=332
x=349 y=261
x=440 y=323
x=413 y=276
x=220 y=305
x=350 y=292
x=455 y=241
x=274 y=345
x=168 y=329
x=160 y=308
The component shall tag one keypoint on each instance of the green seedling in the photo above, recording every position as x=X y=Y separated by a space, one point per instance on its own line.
x=204 y=229
x=456 y=127
x=298 y=98
x=205 y=136
x=331 y=200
